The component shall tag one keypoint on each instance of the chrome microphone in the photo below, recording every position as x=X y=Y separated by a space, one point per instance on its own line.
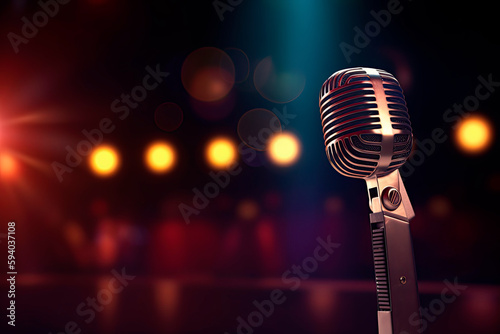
x=365 y=122
x=368 y=135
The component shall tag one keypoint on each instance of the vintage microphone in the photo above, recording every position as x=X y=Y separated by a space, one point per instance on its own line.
x=368 y=135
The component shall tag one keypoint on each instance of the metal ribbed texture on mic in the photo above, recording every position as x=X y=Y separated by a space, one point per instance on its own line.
x=365 y=120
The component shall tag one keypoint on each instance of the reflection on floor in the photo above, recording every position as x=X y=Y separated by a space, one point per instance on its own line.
x=124 y=304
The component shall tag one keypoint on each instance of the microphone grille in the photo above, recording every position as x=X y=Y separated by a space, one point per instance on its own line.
x=365 y=121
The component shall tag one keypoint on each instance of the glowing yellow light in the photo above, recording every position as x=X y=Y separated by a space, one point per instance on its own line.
x=221 y=153
x=104 y=161
x=160 y=157
x=284 y=149
x=474 y=135
x=8 y=166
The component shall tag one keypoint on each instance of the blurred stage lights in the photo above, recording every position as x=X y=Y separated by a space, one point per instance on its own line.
x=221 y=153
x=474 y=135
x=440 y=206
x=208 y=74
x=284 y=149
x=276 y=85
x=247 y=209
x=257 y=126
x=8 y=166
x=160 y=157
x=104 y=161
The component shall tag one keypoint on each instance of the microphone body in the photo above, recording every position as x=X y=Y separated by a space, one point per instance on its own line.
x=368 y=135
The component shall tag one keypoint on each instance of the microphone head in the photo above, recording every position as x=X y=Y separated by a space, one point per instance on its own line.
x=365 y=121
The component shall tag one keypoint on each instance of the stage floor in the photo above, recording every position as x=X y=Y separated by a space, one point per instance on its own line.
x=117 y=304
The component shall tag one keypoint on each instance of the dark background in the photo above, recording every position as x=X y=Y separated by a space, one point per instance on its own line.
x=71 y=234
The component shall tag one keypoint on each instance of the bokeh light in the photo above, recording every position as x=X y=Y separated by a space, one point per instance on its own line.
x=439 y=206
x=482 y=309
x=9 y=166
x=284 y=149
x=269 y=247
x=160 y=157
x=77 y=242
x=106 y=243
x=474 y=135
x=241 y=63
x=247 y=209
x=168 y=116
x=221 y=153
x=334 y=205
x=321 y=301
x=208 y=74
x=169 y=248
x=257 y=126
x=167 y=295
x=104 y=161
x=75 y=235
x=276 y=85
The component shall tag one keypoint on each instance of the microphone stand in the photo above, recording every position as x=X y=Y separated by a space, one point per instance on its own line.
x=396 y=280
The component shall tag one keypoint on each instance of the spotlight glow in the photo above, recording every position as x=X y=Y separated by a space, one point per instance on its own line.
x=474 y=135
x=221 y=153
x=104 y=161
x=8 y=166
x=284 y=149
x=160 y=157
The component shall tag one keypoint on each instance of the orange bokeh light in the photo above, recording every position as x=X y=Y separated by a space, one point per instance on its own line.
x=284 y=149
x=208 y=74
x=160 y=157
x=104 y=161
x=8 y=166
x=474 y=135
x=221 y=153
